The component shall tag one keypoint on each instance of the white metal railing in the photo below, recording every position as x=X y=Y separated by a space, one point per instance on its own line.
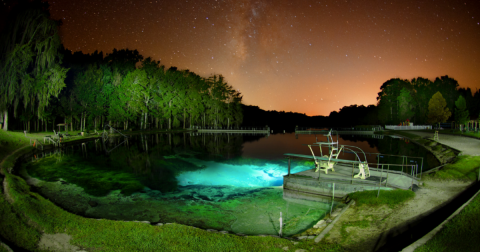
x=415 y=127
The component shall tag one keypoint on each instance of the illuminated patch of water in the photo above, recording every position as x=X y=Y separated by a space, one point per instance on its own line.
x=237 y=175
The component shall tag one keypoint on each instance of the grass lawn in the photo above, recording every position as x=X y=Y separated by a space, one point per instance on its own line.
x=391 y=198
x=460 y=234
x=26 y=216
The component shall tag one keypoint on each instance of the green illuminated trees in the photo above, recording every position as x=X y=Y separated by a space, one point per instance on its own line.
x=402 y=99
x=30 y=68
x=387 y=100
x=87 y=86
x=448 y=87
x=461 y=112
x=423 y=93
x=437 y=109
x=406 y=105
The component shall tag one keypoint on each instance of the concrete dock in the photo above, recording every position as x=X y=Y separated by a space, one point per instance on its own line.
x=318 y=186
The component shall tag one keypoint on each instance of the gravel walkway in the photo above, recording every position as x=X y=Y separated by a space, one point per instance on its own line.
x=467 y=145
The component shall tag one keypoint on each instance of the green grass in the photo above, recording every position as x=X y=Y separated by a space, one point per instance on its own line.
x=464 y=168
x=30 y=215
x=460 y=233
x=345 y=225
x=10 y=141
x=391 y=198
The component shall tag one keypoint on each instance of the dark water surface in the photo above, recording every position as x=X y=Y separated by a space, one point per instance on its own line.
x=222 y=181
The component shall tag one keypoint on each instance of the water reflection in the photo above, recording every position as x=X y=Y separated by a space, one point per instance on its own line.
x=165 y=162
x=221 y=181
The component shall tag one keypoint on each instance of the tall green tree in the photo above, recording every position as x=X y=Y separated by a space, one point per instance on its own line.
x=123 y=60
x=30 y=68
x=423 y=93
x=406 y=105
x=448 y=87
x=387 y=100
x=461 y=113
x=437 y=109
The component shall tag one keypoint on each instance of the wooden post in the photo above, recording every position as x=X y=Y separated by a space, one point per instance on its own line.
x=289 y=166
x=333 y=197
x=411 y=173
x=388 y=169
x=380 y=182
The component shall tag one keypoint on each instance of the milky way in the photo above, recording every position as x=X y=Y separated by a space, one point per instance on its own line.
x=311 y=57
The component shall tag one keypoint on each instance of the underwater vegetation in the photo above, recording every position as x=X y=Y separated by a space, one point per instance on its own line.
x=128 y=169
x=97 y=179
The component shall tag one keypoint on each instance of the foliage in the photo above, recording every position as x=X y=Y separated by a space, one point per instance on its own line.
x=390 y=198
x=461 y=112
x=464 y=168
x=392 y=101
x=437 y=110
x=30 y=66
x=406 y=105
x=387 y=100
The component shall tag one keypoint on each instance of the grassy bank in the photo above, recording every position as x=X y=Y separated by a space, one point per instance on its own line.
x=390 y=198
x=460 y=233
x=464 y=168
x=28 y=218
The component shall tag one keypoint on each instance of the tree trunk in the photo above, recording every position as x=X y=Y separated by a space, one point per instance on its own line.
x=170 y=116
x=5 y=120
x=183 y=118
x=146 y=119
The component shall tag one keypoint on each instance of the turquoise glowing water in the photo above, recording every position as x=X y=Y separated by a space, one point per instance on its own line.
x=228 y=182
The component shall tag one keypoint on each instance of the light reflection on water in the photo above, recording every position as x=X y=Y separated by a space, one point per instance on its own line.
x=195 y=179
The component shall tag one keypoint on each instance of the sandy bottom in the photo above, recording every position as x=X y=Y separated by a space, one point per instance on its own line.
x=384 y=221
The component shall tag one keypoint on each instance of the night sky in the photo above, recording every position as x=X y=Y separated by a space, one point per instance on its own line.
x=310 y=57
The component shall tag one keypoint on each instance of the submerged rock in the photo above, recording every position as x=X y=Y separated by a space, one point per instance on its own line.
x=320 y=224
x=92 y=203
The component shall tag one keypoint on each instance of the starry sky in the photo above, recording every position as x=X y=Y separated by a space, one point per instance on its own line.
x=303 y=56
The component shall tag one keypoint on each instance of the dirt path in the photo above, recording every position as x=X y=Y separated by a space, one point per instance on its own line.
x=367 y=228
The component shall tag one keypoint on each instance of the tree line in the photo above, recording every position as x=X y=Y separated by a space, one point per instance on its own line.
x=423 y=101
x=420 y=100
x=43 y=83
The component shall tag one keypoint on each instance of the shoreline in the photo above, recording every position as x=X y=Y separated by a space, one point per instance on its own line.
x=328 y=236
